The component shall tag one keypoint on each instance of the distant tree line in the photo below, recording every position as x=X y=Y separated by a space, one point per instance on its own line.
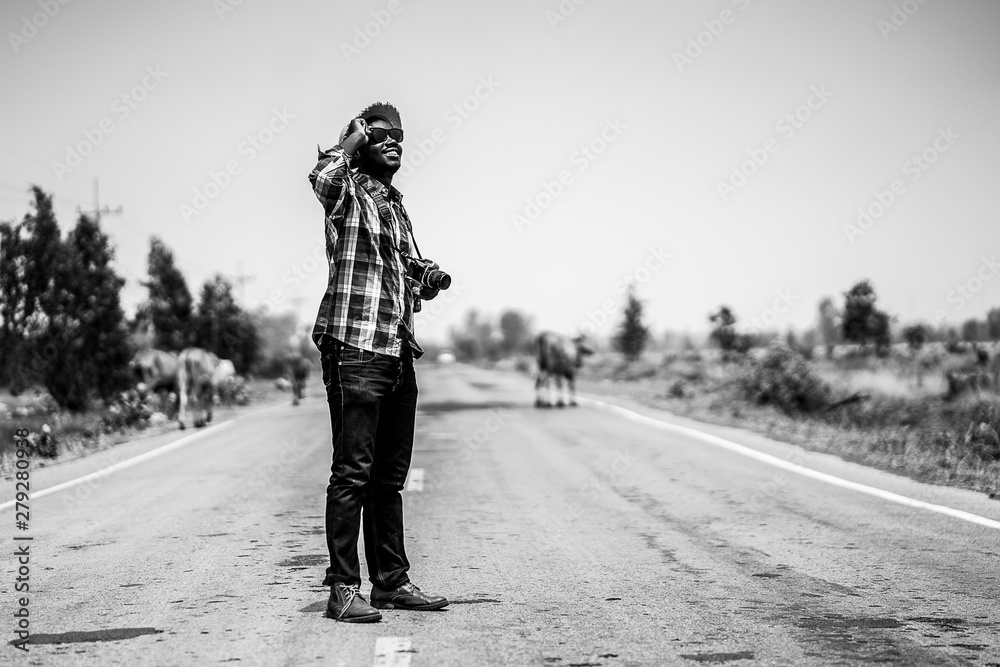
x=62 y=326
x=512 y=333
x=61 y=320
x=858 y=320
x=216 y=323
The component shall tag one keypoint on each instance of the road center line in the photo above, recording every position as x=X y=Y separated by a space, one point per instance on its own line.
x=121 y=465
x=393 y=652
x=415 y=480
x=787 y=465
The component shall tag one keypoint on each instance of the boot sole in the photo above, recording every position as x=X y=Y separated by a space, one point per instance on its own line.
x=422 y=607
x=371 y=618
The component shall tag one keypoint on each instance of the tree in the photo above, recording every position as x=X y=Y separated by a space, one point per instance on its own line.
x=829 y=331
x=916 y=335
x=222 y=327
x=62 y=321
x=809 y=338
x=12 y=303
x=169 y=304
x=31 y=255
x=275 y=332
x=863 y=323
x=477 y=339
x=993 y=324
x=86 y=342
x=724 y=329
x=42 y=252
x=632 y=334
x=515 y=328
x=973 y=330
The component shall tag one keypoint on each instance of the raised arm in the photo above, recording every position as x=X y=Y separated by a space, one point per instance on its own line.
x=330 y=176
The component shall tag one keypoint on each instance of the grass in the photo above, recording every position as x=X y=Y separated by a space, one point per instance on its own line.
x=905 y=424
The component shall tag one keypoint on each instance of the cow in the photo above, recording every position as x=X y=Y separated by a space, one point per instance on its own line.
x=223 y=381
x=558 y=357
x=196 y=368
x=155 y=372
x=299 y=370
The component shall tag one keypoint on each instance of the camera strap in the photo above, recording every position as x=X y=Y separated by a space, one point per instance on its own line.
x=374 y=190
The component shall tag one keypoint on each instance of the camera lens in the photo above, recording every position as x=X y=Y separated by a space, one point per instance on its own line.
x=438 y=279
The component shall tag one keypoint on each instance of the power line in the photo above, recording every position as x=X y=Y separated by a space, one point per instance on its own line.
x=24 y=155
x=241 y=279
x=97 y=211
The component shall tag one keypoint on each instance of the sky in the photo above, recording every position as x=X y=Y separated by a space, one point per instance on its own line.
x=761 y=155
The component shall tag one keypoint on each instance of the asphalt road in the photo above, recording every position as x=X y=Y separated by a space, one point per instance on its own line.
x=562 y=537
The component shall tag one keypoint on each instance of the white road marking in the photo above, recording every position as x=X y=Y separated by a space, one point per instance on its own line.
x=392 y=652
x=415 y=480
x=104 y=472
x=793 y=467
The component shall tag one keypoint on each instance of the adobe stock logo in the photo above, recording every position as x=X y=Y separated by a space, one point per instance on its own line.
x=223 y=7
x=655 y=260
x=899 y=17
x=769 y=317
x=585 y=155
x=249 y=148
x=418 y=151
x=915 y=168
x=122 y=107
x=562 y=12
x=786 y=126
x=699 y=43
x=31 y=25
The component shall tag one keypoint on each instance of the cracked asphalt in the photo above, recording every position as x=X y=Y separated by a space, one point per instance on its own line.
x=562 y=537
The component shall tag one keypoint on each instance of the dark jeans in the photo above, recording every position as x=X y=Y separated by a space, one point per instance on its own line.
x=373 y=403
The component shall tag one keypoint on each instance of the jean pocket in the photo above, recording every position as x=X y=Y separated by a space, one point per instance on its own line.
x=349 y=356
x=326 y=359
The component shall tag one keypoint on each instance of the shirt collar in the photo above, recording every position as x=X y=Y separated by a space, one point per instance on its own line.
x=390 y=193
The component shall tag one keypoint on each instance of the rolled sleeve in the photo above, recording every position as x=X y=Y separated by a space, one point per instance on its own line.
x=330 y=178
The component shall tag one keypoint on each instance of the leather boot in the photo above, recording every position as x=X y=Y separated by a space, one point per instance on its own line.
x=347 y=605
x=407 y=596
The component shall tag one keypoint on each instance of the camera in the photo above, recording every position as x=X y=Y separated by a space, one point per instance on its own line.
x=427 y=273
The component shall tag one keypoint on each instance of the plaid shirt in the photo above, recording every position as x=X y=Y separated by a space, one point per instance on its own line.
x=368 y=303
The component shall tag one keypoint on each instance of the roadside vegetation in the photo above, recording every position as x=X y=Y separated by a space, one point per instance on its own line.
x=921 y=401
x=66 y=344
x=893 y=413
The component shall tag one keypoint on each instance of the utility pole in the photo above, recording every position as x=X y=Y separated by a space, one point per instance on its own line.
x=241 y=279
x=98 y=211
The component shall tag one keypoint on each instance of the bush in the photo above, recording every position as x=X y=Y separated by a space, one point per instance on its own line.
x=982 y=440
x=234 y=391
x=128 y=410
x=784 y=379
x=640 y=369
x=678 y=389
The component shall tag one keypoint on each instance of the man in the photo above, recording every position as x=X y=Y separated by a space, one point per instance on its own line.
x=299 y=370
x=364 y=331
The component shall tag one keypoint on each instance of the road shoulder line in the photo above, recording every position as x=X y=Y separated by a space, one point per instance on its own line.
x=127 y=463
x=788 y=465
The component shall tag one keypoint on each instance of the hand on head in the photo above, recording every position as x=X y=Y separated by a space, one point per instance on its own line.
x=358 y=126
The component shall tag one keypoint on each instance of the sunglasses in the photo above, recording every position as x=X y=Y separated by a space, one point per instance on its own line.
x=378 y=134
